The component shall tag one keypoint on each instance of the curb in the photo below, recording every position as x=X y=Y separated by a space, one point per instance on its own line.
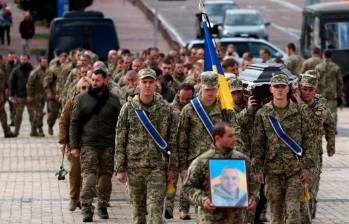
x=172 y=37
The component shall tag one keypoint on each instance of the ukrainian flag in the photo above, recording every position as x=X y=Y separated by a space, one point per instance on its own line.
x=212 y=63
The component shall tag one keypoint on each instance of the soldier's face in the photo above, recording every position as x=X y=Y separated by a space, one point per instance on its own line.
x=185 y=96
x=307 y=93
x=166 y=69
x=230 y=180
x=23 y=59
x=98 y=81
x=131 y=81
x=43 y=63
x=228 y=139
x=238 y=96
x=179 y=69
x=209 y=94
x=279 y=91
x=147 y=86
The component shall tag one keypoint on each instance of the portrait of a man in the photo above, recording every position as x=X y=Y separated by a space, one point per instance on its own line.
x=228 y=189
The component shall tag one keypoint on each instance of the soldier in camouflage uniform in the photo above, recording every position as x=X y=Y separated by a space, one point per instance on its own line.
x=139 y=160
x=237 y=93
x=49 y=84
x=12 y=62
x=284 y=172
x=3 y=115
x=92 y=135
x=313 y=61
x=331 y=82
x=322 y=124
x=178 y=75
x=35 y=90
x=294 y=62
x=197 y=184
x=193 y=138
x=182 y=98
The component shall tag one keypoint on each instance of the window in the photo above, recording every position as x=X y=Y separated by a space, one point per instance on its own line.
x=218 y=9
x=337 y=35
x=256 y=46
x=243 y=20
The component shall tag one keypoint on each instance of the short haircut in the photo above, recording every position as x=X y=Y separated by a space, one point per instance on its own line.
x=219 y=129
x=316 y=51
x=229 y=62
x=291 y=46
x=157 y=70
x=186 y=86
x=327 y=54
x=100 y=72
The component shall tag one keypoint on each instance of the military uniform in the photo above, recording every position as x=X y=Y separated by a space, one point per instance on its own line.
x=178 y=80
x=193 y=138
x=275 y=159
x=310 y=64
x=196 y=187
x=3 y=116
x=294 y=63
x=322 y=123
x=35 y=89
x=138 y=155
x=53 y=105
x=10 y=65
x=330 y=84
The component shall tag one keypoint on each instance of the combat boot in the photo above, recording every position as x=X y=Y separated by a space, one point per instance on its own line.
x=10 y=135
x=168 y=213
x=50 y=130
x=34 y=133
x=185 y=215
x=73 y=204
x=87 y=214
x=103 y=213
x=41 y=133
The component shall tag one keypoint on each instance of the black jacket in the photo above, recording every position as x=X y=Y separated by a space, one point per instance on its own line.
x=27 y=29
x=93 y=120
x=18 y=80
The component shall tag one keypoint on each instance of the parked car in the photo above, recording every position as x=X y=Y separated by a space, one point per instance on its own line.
x=83 y=29
x=243 y=23
x=243 y=45
x=215 y=10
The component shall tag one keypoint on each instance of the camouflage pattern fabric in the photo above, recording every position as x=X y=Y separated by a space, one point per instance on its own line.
x=310 y=64
x=294 y=63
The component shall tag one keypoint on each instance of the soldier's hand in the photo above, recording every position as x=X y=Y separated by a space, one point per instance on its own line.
x=75 y=152
x=252 y=103
x=184 y=174
x=252 y=204
x=62 y=148
x=261 y=178
x=12 y=99
x=121 y=177
x=305 y=176
x=207 y=204
x=29 y=99
x=170 y=176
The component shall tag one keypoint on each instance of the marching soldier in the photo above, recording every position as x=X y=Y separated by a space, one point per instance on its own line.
x=144 y=140
x=294 y=62
x=313 y=61
x=322 y=123
x=331 y=82
x=182 y=98
x=197 y=120
x=283 y=151
x=197 y=185
x=35 y=90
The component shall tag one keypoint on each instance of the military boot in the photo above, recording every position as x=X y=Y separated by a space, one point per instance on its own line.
x=34 y=133
x=10 y=135
x=73 y=204
x=50 y=130
x=87 y=214
x=103 y=213
x=41 y=133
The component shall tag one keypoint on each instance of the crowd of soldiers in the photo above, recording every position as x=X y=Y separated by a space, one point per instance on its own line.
x=152 y=99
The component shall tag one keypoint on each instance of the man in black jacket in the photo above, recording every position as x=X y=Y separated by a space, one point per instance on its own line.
x=92 y=136
x=27 y=31
x=18 y=90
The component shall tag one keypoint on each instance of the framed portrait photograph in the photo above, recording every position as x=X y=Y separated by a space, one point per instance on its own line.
x=228 y=182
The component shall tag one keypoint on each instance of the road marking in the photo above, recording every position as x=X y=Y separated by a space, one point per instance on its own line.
x=289 y=31
x=288 y=5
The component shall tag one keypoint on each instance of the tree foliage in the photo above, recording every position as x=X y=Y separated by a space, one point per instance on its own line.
x=46 y=10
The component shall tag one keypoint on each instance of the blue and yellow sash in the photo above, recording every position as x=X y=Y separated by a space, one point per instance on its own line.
x=154 y=134
x=205 y=119
x=284 y=137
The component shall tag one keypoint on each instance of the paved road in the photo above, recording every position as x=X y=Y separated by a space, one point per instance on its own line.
x=285 y=17
x=30 y=193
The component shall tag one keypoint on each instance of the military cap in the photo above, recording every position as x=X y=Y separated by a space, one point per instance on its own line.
x=279 y=79
x=309 y=80
x=101 y=68
x=312 y=73
x=235 y=85
x=146 y=72
x=209 y=79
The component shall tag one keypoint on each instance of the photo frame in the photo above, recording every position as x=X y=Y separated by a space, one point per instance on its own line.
x=228 y=183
